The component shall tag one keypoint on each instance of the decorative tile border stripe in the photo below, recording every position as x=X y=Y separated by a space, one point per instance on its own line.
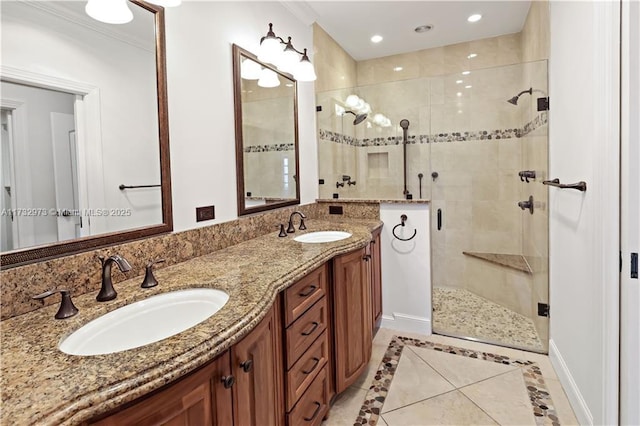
x=477 y=135
x=542 y=405
x=270 y=148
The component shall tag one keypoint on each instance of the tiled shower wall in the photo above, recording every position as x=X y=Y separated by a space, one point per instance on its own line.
x=473 y=139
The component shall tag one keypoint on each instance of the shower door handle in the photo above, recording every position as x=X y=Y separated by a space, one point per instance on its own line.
x=439 y=215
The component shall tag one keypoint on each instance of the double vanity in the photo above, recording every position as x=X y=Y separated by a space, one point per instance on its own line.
x=295 y=331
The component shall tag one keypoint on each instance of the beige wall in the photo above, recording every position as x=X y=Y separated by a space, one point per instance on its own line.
x=492 y=52
x=335 y=68
x=535 y=33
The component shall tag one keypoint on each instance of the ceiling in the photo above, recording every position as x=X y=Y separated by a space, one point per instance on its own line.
x=352 y=23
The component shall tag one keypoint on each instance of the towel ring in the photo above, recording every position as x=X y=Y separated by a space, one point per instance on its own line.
x=403 y=219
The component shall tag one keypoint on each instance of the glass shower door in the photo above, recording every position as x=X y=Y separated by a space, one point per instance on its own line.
x=489 y=254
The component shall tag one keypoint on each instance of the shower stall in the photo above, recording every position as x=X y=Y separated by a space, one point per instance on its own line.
x=476 y=149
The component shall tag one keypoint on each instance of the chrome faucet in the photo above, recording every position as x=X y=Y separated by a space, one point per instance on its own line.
x=302 y=227
x=107 y=292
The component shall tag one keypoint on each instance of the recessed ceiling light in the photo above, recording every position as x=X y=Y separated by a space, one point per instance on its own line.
x=474 y=18
x=471 y=55
x=468 y=86
x=398 y=69
x=466 y=72
x=423 y=28
x=376 y=38
x=458 y=81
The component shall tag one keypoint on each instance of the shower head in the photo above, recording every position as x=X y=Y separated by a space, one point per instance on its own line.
x=404 y=123
x=359 y=117
x=514 y=100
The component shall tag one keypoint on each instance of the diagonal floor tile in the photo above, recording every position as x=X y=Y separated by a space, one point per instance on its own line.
x=346 y=407
x=414 y=381
x=504 y=398
x=451 y=408
x=461 y=370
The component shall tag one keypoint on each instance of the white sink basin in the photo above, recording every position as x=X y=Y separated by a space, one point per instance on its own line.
x=322 y=237
x=144 y=322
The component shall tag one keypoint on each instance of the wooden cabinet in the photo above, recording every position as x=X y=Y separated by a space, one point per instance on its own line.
x=257 y=366
x=375 y=266
x=188 y=402
x=352 y=317
x=307 y=350
x=243 y=386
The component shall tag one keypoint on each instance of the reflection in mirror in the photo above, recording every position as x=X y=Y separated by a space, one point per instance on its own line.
x=84 y=129
x=266 y=135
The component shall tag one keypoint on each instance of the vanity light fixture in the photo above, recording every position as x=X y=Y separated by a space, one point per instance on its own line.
x=287 y=59
x=109 y=11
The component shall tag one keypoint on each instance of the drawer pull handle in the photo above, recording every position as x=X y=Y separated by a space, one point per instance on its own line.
x=366 y=257
x=228 y=381
x=313 y=328
x=317 y=360
x=247 y=365
x=315 y=413
x=312 y=288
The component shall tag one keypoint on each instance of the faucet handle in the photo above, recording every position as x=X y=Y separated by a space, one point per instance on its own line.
x=149 y=280
x=67 y=308
x=302 y=226
x=282 y=233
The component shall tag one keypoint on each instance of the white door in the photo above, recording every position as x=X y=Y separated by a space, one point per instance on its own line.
x=630 y=214
x=584 y=243
x=65 y=175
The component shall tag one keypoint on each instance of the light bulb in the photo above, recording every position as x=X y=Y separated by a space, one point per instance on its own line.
x=304 y=70
x=268 y=78
x=250 y=70
x=109 y=11
x=352 y=101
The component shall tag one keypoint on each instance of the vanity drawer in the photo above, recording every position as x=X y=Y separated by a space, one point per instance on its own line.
x=303 y=294
x=313 y=405
x=305 y=330
x=302 y=373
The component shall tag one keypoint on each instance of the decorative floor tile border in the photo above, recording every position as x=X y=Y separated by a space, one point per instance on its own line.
x=541 y=403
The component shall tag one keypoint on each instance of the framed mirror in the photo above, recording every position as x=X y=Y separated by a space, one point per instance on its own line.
x=85 y=135
x=266 y=122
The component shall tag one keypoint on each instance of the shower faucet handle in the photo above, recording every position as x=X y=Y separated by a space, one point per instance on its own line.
x=525 y=175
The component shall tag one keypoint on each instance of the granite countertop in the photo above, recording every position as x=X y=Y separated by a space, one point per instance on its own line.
x=42 y=385
x=376 y=201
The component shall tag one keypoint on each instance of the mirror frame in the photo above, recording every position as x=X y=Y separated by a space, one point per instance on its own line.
x=28 y=255
x=238 y=54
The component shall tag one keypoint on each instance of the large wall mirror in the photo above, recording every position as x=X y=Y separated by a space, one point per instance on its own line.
x=85 y=144
x=266 y=118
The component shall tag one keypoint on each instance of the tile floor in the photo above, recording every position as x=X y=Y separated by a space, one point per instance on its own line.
x=420 y=383
x=464 y=313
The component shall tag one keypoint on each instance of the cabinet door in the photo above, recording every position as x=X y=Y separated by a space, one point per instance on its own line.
x=376 y=281
x=352 y=317
x=257 y=366
x=187 y=402
x=221 y=391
